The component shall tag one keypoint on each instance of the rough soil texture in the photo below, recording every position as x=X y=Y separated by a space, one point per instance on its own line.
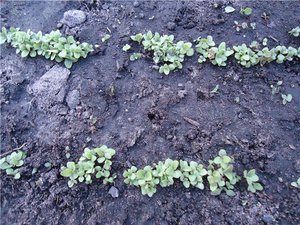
x=148 y=117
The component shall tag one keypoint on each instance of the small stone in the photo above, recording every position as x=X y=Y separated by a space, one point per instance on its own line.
x=59 y=25
x=141 y=15
x=114 y=192
x=268 y=219
x=136 y=4
x=182 y=93
x=73 y=99
x=171 y=26
x=73 y=18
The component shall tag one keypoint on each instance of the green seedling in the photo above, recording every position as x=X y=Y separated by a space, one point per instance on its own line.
x=105 y=38
x=12 y=162
x=286 y=98
x=136 y=56
x=296 y=183
x=52 y=46
x=215 y=90
x=295 y=32
x=166 y=172
x=126 y=47
x=220 y=174
x=216 y=55
x=252 y=180
x=275 y=88
x=96 y=161
x=166 y=53
x=246 y=11
x=192 y=174
x=245 y=56
x=143 y=178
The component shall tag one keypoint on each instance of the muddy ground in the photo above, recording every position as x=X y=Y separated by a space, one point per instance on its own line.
x=145 y=116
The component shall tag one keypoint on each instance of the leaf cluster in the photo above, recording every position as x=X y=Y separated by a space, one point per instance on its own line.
x=252 y=180
x=168 y=54
x=207 y=50
x=149 y=177
x=52 y=45
x=96 y=161
x=12 y=162
x=295 y=32
x=221 y=175
x=296 y=183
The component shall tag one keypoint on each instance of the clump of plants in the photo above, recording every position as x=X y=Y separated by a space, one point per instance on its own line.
x=143 y=178
x=252 y=181
x=52 y=46
x=221 y=176
x=296 y=183
x=96 y=161
x=295 y=32
x=149 y=177
x=12 y=162
x=245 y=56
x=216 y=55
x=192 y=174
x=166 y=53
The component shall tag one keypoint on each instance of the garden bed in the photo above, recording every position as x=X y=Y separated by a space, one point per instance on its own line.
x=148 y=117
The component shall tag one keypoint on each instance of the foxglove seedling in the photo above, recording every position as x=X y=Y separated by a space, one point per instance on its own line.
x=221 y=175
x=252 y=180
x=52 y=46
x=12 y=162
x=296 y=183
x=96 y=161
x=295 y=32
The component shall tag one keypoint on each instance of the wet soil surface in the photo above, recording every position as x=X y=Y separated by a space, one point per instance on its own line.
x=148 y=117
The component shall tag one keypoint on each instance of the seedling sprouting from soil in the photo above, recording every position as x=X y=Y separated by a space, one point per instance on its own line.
x=276 y=87
x=296 y=183
x=286 y=98
x=167 y=54
x=295 y=32
x=96 y=161
x=52 y=46
x=252 y=180
x=246 y=11
x=12 y=162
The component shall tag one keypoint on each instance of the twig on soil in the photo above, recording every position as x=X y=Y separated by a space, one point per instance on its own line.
x=6 y=153
x=274 y=39
x=192 y=122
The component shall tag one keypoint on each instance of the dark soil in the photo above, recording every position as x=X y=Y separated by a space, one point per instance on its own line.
x=148 y=117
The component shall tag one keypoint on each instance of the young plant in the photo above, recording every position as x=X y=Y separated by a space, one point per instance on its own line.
x=246 y=11
x=252 y=180
x=220 y=174
x=93 y=161
x=143 y=178
x=126 y=47
x=216 y=55
x=203 y=46
x=106 y=37
x=166 y=172
x=52 y=46
x=286 y=98
x=166 y=53
x=192 y=174
x=296 y=183
x=245 y=56
x=276 y=87
x=266 y=55
x=295 y=32
x=136 y=56
x=12 y=162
